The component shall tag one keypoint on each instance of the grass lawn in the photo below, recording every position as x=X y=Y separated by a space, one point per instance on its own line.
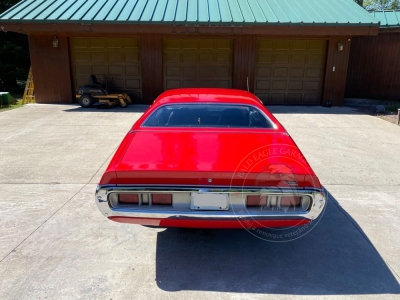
x=12 y=106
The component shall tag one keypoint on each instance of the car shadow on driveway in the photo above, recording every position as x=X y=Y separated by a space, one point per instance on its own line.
x=334 y=258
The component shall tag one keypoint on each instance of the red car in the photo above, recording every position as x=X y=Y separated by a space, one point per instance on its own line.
x=209 y=158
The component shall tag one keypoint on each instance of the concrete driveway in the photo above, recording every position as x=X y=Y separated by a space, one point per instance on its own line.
x=55 y=244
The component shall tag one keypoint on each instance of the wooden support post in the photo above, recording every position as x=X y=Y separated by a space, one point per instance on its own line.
x=398 y=116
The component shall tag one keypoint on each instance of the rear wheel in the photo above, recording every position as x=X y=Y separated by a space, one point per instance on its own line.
x=86 y=101
x=123 y=103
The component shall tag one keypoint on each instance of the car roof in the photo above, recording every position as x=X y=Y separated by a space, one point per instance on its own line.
x=199 y=95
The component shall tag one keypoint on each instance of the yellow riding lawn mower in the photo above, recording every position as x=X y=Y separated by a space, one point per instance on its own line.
x=97 y=95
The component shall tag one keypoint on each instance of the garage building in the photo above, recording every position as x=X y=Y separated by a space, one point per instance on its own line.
x=286 y=52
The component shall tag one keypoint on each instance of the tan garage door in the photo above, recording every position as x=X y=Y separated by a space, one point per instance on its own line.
x=112 y=58
x=290 y=71
x=197 y=63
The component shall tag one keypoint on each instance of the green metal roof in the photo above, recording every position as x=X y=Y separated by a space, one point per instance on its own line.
x=388 y=18
x=234 y=12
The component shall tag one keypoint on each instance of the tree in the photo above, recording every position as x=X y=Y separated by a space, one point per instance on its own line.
x=381 y=4
x=359 y=2
x=14 y=54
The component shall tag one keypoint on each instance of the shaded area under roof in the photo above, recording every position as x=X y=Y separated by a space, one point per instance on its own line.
x=388 y=18
x=234 y=12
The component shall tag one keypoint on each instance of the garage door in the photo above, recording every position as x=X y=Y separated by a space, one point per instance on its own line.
x=197 y=63
x=290 y=71
x=114 y=58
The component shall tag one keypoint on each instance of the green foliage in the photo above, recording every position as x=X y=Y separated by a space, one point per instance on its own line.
x=381 y=4
x=6 y=4
x=14 y=54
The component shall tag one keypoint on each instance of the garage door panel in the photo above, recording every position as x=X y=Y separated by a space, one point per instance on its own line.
x=263 y=84
x=311 y=98
x=281 y=59
x=295 y=85
x=263 y=71
x=173 y=84
x=131 y=43
x=84 y=70
x=298 y=58
x=278 y=98
x=299 y=45
x=98 y=56
x=282 y=45
x=281 y=72
x=206 y=57
x=265 y=58
x=132 y=71
x=132 y=57
x=224 y=44
x=317 y=59
x=132 y=84
x=97 y=43
x=226 y=84
x=115 y=43
x=96 y=70
x=313 y=72
x=290 y=71
x=223 y=72
x=223 y=58
x=190 y=58
x=319 y=45
x=116 y=58
x=173 y=71
x=296 y=72
x=279 y=85
x=118 y=83
x=206 y=72
x=115 y=70
x=197 y=63
x=312 y=85
x=293 y=98
x=189 y=71
x=82 y=56
x=79 y=43
x=173 y=43
x=172 y=57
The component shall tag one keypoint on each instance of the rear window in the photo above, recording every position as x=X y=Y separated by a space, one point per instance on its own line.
x=208 y=115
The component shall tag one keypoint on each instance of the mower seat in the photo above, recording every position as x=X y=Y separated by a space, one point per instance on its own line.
x=94 y=82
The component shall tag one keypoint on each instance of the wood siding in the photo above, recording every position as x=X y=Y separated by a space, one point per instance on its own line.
x=51 y=69
x=129 y=29
x=152 y=64
x=336 y=71
x=244 y=62
x=374 y=67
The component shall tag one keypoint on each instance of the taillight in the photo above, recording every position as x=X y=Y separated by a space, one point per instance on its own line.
x=161 y=199
x=274 y=202
x=287 y=201
x=128 y=198
x=256 y=201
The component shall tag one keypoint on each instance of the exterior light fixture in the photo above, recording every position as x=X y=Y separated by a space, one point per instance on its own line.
x=55 y=42
x=340 y=46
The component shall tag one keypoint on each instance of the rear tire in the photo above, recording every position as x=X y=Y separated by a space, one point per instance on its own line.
x=123 y=104
x=86 y=101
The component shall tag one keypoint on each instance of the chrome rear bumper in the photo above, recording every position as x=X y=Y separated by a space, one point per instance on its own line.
x=181 y=203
